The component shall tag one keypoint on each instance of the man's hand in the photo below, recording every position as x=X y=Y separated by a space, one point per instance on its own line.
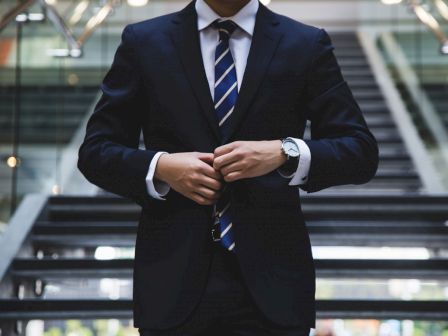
x=191 y=174
x=242 y=159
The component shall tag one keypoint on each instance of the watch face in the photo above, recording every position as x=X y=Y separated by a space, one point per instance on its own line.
x=291 y=148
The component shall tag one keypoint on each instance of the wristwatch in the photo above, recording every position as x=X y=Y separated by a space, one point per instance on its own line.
x=292 y=152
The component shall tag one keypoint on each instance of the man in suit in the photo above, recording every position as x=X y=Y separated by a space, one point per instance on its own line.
x=221 y=91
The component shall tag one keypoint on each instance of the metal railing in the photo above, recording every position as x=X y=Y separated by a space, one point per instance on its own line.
x=419 y=97
x=430 y=21
x=74 y=44
x=408 y=131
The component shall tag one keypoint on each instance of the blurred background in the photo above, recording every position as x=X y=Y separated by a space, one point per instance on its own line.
x=66 y=247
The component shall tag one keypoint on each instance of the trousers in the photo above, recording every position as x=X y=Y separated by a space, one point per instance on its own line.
x=226 y=307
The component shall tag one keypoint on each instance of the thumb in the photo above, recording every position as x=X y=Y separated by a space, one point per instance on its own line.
x=206 y=157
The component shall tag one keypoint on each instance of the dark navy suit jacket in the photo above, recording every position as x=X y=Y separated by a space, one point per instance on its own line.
x=157 y=85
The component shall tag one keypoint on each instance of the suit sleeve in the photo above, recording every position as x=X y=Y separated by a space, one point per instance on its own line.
x=343 y=150
x=109 y=156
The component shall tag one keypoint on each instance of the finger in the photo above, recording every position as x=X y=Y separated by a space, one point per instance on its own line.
x=225 y=159
x=211 y=183
x=234 y=166
x=206 y=192
x=206 y=157
x=233 y=176
x=224 y=149
x=198 y=198
x=211 y=172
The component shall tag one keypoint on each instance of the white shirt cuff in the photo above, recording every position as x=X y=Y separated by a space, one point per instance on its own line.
x=301 y=175
x=156 y=188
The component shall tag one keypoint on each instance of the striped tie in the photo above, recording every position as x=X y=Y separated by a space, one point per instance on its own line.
x=226 y=93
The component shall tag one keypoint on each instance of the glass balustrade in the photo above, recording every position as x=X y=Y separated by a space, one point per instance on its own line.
x=45 y=98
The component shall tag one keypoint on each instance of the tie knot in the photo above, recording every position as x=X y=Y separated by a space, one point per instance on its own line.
x=226 y=28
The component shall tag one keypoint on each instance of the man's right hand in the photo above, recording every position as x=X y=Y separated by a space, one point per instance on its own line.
x=191 y=174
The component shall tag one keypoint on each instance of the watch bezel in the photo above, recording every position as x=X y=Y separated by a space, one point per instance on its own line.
x=294 y=155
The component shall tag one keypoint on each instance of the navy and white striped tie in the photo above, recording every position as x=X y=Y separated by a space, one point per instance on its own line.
x=226 y=93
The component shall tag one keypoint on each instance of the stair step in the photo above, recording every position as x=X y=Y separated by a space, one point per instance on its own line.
x=30 y=309
x=345 y=43
x=367 y=226
x=33 y=108
x=437 y=230
x=345 y=53
x=122 y=268
x=390 y=137
x=393 y=152
x=378 y=118
x=434 y=208
x=55 y=123
x=358 y=73
x=372 y=94
x=353 y=63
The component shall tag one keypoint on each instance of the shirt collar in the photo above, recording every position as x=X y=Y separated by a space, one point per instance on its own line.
x=245 y=18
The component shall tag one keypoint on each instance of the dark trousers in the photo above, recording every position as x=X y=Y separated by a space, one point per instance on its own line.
x=226 y=307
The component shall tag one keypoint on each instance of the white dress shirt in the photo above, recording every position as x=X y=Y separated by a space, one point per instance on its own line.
x=239 y=44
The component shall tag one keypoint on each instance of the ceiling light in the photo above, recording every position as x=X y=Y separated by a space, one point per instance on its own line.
x=137 y=3
x=444 y=50
x=58 y=52
x=75 y=53
x=24 y=17
x=391 y=2
x=12 y=162
x=55 y=190
x=36 y=17
x=21 y=18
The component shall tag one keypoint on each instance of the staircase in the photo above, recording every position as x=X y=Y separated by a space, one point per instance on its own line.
x=437 y=93
x=48 y=114
x=396 y=172
x=61 y=254
x=59 y=266
x=49 y=117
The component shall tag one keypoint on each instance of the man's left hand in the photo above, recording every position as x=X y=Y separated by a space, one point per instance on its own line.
x=243 y=159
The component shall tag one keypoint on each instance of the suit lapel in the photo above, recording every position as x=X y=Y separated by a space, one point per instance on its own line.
x=264 y=42
x=186 y=39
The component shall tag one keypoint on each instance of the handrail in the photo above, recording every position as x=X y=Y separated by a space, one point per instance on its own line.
x=412 y=84
x=75 y=45
x=419 y=155
x=78 y=12
x=71 y=180
x=11 y=15
x=61 y=26
x=18 y=228
x=442 y=7
x=96 y=20
x=429 y=21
